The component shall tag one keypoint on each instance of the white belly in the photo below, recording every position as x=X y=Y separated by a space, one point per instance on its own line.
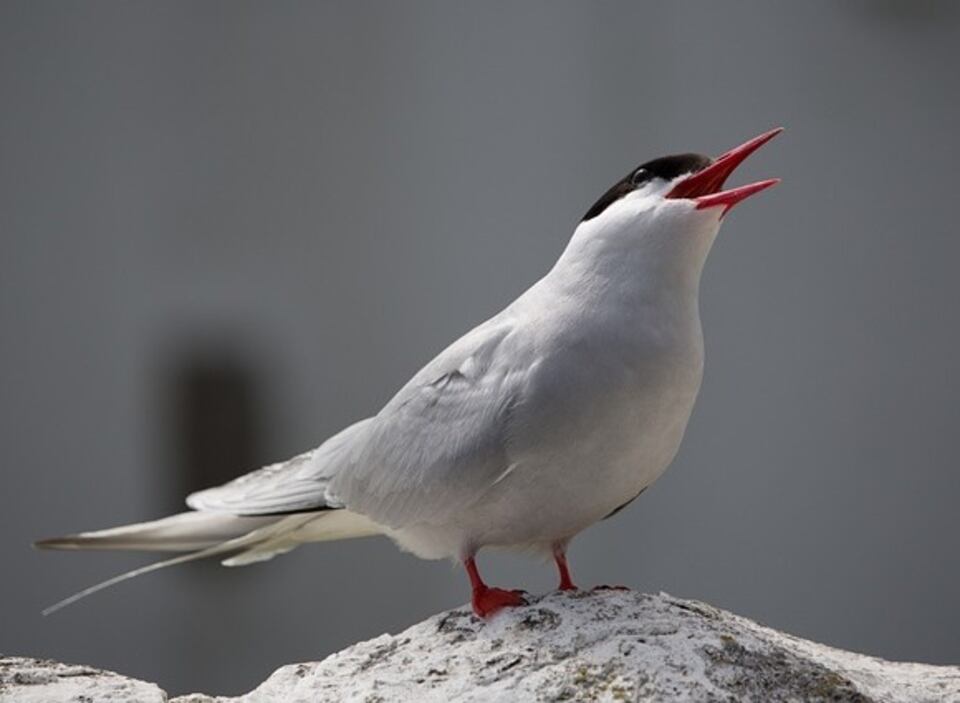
x=577 y=460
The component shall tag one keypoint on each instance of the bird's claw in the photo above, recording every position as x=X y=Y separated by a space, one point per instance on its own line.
x=491 y=600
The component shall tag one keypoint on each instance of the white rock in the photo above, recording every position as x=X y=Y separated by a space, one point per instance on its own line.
x=43 y=681
x=601 y=646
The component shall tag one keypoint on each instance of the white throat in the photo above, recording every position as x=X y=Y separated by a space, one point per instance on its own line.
x=642 y=250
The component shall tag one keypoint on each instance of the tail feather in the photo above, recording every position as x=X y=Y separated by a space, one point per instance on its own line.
x=202 y=535
x=184 y=532
x=328 y=526
x=252 y=538
x=155 y=566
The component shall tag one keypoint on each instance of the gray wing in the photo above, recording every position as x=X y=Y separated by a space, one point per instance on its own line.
x=436 y=447
x=441 y=442
x=296 y=485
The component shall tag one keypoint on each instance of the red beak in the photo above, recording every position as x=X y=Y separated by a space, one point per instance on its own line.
x=704 y=187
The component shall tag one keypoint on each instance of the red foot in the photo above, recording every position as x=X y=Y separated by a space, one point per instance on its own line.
x=488 y=601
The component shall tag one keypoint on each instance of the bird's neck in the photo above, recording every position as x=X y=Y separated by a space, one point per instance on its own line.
x=609 y=269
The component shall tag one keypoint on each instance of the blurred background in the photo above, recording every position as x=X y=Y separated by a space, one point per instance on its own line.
x=228 y=229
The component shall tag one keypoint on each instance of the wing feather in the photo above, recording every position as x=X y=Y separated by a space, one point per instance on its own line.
x=441 y=442
x=296 y=485
x=435 y=448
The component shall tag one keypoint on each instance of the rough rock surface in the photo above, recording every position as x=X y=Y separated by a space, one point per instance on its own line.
x=599 y=646
x=45 y=681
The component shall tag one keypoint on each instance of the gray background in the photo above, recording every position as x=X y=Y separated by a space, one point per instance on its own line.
x=229 y=229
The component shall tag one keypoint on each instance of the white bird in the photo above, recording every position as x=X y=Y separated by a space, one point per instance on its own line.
x=545 y=419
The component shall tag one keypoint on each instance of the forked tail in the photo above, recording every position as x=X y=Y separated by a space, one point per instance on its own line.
x=201 y=535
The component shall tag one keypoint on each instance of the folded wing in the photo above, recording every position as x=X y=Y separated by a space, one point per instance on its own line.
x=435 y=448
x=441 y=442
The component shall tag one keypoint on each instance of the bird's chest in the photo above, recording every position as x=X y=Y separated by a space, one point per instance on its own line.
x=609 y=410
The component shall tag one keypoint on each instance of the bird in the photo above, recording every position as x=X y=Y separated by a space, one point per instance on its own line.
x=547 y=418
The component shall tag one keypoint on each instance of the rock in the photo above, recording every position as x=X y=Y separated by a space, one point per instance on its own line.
x=45 y=681
x=580 y=646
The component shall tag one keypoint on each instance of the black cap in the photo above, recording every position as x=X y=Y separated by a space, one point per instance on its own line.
x=666 y=168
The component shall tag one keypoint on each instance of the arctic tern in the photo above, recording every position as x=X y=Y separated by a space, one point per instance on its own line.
x=547 y=418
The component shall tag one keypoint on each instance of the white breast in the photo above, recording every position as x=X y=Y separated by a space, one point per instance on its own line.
x=602 y=417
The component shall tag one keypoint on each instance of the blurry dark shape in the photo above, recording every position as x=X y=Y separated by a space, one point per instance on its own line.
x=213 y=424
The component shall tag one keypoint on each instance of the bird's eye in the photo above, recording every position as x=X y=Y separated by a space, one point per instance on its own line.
x=639 y=176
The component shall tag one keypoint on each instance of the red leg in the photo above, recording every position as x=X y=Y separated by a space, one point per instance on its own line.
x=487 y=601
x=559 y=556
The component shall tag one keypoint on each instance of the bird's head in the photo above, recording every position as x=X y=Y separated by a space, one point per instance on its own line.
x=671 y=206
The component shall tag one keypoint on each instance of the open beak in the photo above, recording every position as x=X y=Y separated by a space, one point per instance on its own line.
x=705 y=187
